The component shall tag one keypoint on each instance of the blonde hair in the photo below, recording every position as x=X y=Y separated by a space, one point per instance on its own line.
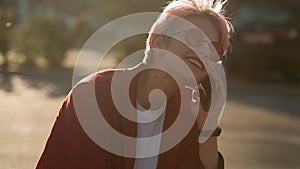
x=213 y=9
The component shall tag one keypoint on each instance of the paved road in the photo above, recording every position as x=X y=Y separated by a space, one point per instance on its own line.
x=258 y=133
x=262 y=127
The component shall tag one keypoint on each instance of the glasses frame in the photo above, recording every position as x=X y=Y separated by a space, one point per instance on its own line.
x=215 y=44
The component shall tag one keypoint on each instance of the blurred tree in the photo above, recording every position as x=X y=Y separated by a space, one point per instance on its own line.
x=48 y=37
x=111 y=8
x=81 y=29
x=6 y=21
x=118 y=8
x=59 y=37
x=72 y=7
x=114 y=9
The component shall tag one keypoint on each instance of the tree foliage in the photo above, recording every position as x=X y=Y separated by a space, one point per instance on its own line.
x=48 y=37
x=6 y=21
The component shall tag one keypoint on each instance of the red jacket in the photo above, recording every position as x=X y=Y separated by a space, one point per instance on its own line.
x=69 y=147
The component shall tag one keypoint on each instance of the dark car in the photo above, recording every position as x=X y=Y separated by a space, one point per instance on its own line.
x=265 y=24
x=266 y=42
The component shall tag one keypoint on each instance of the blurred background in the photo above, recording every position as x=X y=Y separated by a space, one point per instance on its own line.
x=40 y=41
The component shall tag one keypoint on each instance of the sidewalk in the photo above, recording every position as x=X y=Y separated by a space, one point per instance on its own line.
x=261 y=127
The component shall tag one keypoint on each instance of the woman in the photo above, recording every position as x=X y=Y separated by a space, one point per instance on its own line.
x=161 y=90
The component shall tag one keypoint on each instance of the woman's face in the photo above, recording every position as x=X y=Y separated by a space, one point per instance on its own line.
x=186 y=54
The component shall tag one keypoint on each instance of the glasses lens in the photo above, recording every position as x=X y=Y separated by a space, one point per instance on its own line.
x=195 y=38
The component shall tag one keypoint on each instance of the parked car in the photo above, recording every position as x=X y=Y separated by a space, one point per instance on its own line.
x=266 y=42
x=265 y=24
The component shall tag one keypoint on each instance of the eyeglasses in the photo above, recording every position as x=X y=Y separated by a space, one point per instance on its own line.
x=195 y=38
